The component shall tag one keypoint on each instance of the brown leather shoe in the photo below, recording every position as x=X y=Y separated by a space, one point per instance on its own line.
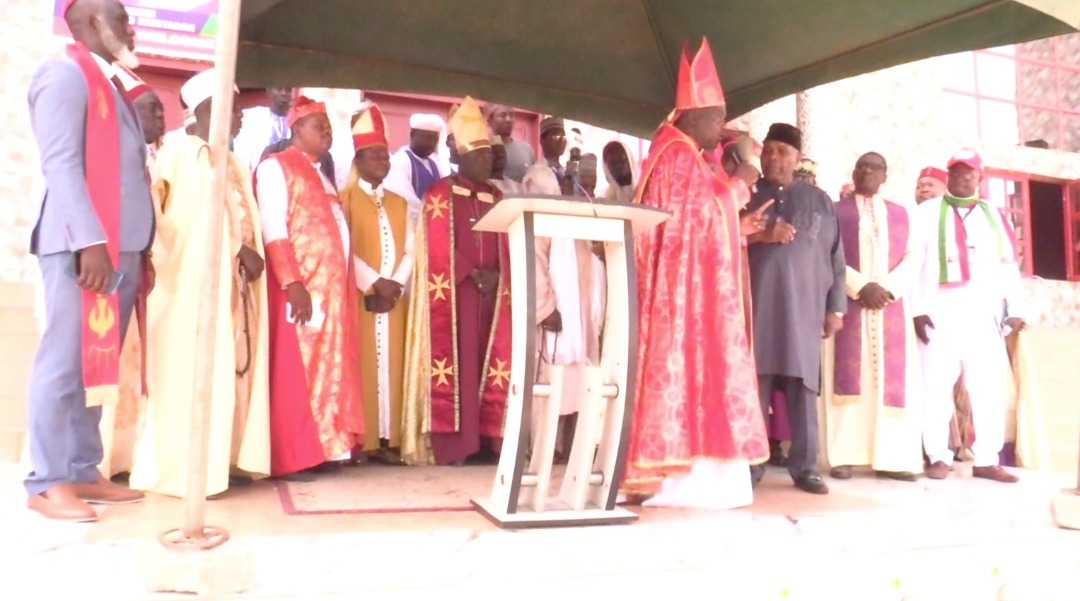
x=104 y=492
x=840 y=472
x=937 y=471
x=995 y=473
x=60 y=503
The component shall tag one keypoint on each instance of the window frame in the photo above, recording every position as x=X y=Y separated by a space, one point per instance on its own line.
x=1056 y=66
x=1072 y=221
x=1023 y=179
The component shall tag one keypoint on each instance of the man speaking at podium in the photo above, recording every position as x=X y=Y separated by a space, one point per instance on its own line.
x=697 y=407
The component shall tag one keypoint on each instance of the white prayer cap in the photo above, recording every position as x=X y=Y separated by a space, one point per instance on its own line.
x=427 y=122
x=200 y=88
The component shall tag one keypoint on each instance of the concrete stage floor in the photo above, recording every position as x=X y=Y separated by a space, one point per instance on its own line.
x=958 y=540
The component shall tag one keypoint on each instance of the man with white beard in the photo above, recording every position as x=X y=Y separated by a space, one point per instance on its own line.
x=92 y=239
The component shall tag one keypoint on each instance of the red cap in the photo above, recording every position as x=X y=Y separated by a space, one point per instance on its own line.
x=699 y=85
x=967 y=157
x=933 y=172
x=303 y=107
x=67 y=5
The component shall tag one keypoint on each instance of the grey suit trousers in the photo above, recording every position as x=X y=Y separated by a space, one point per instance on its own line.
x=65 y=443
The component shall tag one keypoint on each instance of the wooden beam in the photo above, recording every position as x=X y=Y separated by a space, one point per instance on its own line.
x=206 y=325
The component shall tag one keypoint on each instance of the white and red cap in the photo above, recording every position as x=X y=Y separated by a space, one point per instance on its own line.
x=967 y=157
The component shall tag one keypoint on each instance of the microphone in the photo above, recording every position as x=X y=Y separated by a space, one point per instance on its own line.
x=573 y=171
x=573 y=166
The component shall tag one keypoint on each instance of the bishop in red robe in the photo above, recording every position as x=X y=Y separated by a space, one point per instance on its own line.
x=696 y=388
x=316 y=413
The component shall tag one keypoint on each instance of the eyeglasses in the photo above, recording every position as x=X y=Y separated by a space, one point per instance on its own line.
x=556 y=137
x=870 y=166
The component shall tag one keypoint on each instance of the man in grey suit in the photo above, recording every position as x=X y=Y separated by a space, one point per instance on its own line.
x=70 y=243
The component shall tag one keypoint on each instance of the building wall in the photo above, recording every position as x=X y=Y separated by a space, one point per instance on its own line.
x=25 y=47
x=897 y=112
x=20 y=188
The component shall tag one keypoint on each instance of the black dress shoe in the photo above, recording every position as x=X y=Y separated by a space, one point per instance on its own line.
x=387 y=456
x=301 y=476
x=811 y=482
x=327 y=467
x=776 y=454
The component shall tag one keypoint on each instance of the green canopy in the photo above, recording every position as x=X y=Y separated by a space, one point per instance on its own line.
x=613 y=63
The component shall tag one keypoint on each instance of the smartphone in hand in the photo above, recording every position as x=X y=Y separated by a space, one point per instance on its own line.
x=114 y=279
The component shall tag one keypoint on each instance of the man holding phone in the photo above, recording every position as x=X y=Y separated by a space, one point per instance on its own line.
x=382 y=245
x=91 y=238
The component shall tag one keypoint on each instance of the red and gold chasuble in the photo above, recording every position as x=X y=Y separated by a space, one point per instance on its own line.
x=696 y=388
x=439 y=218
x=328 y=355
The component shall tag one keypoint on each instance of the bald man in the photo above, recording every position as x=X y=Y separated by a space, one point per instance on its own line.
x=93 y=233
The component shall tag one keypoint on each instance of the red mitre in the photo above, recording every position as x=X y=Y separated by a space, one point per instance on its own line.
x=303 y=107
x=935 y=173
x=369 y=129
x=699 y=85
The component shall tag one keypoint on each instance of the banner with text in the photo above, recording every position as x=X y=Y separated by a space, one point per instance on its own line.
x=184 y=29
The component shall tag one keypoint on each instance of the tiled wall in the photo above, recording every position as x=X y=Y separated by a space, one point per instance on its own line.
x=24 y=47
x=1052 y=304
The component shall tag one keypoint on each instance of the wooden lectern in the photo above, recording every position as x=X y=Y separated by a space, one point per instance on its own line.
x=519 y=498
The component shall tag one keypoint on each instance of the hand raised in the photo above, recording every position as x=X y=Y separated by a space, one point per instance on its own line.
x=752 y=222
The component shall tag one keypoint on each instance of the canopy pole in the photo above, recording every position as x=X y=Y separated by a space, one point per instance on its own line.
x=194 y=529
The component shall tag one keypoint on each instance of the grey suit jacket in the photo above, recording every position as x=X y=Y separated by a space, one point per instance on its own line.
x=66 y=219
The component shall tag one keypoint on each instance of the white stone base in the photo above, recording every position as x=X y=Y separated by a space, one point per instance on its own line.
x=224 y=570
x=1065 y=507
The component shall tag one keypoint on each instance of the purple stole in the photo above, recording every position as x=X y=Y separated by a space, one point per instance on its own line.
x=849 y=340
x=422 y=178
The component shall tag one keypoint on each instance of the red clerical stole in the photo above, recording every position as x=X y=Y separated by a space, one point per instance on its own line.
x=101 y=312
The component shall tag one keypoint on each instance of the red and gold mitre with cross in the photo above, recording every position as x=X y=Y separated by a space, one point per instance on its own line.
x=469 y=127
x=699 y=84
x=369 y=128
